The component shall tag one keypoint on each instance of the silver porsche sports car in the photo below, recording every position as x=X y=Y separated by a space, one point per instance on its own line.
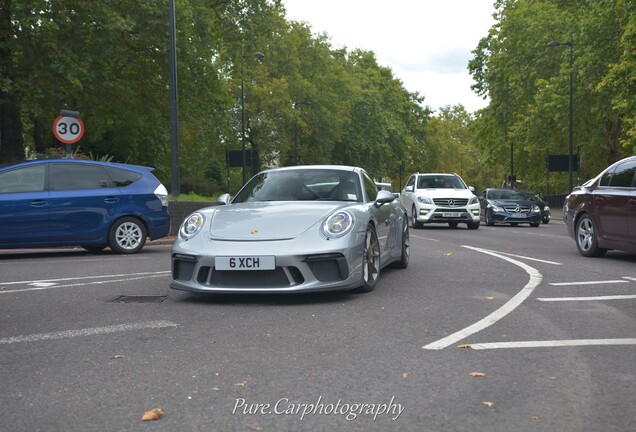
x=294 y=229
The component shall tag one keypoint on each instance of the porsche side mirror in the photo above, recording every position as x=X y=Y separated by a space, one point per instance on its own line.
x=384 y=197
x=223 y=199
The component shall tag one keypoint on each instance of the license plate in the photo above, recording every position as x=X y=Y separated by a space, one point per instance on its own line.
x=262 y=262
x=451 y=214
x=518 y=215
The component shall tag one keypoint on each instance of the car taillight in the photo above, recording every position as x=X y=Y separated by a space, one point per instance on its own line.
x=162 y=193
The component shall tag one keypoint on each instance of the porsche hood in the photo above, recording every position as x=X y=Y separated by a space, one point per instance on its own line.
x=266 y=220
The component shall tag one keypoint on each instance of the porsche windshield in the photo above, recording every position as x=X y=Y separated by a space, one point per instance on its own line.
x=302 y=185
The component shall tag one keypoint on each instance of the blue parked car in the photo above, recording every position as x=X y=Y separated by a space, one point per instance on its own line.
x=67 y=202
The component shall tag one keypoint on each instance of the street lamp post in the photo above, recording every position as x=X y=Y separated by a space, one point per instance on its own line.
x=258 y=55
x=174 y=111
x=570 y=153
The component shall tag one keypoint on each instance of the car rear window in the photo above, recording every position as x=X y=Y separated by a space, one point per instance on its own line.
x=122 y=177
x=65 y=176
x=623 y=176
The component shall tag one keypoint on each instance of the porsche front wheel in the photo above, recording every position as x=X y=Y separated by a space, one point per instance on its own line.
x=370 y=260
x=406 y=247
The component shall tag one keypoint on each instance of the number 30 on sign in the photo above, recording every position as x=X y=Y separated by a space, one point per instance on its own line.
x=68 y=130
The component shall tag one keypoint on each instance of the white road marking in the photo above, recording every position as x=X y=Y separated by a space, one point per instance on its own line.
x=593 y=298
x=630 y=278
x=118 y=278
x=530 y=258
x=88 y=332
x=553 y=343
x=79 y=278
x=587 y=283
x=534 y=234
x=508 y=307
x=423 y=238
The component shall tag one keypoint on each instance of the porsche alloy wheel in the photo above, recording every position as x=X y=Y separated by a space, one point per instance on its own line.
x=127 y=236
x=406 y=247
x=370 y=260
x=586 y=238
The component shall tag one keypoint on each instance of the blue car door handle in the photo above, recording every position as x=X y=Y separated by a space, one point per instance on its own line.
x=39 y=203
x=111 y=200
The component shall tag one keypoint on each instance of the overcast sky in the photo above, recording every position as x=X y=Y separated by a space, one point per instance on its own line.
x=426 y=43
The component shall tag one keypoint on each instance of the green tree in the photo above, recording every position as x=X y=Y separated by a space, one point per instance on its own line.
x=527 y=83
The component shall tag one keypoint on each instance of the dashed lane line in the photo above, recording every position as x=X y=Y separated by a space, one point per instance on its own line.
x=625 y=279
x=530 y=258
x=588 y=282
x=591 y=298
x=46 y=284
x=553 y=343
x=88 y=332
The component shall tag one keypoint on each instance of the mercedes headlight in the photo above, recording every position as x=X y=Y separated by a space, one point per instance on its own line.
x=424 y=200
x=192 y=225
x=338 y=224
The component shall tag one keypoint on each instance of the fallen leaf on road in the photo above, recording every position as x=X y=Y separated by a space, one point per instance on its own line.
x=448 y=254
x=253 y=427
x=536 y=418
x=490 y=298
x=241 y=384
x=489 y=404
x=464 y=346
x=117 y=356
x=552 y=378
x=405 y=375
x=153 y=414
x=478 y=374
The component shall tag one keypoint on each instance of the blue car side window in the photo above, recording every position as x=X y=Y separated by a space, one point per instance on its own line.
x=75 y=177
x=27 y=179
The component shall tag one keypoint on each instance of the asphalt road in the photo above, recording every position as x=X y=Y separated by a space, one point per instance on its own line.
x=498 y=329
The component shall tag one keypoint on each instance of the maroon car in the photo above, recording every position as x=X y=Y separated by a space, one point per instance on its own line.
x=601 y=214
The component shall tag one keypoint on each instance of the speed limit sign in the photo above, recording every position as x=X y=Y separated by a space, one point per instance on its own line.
x=68 y=130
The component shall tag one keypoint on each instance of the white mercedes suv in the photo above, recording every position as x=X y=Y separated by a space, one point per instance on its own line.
x=440 y=198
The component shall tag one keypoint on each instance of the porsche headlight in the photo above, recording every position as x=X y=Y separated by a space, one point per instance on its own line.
x=338 y=224
x=192 y=225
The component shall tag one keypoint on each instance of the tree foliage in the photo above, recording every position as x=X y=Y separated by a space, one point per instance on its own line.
x=306 y=102
x=528 y=85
